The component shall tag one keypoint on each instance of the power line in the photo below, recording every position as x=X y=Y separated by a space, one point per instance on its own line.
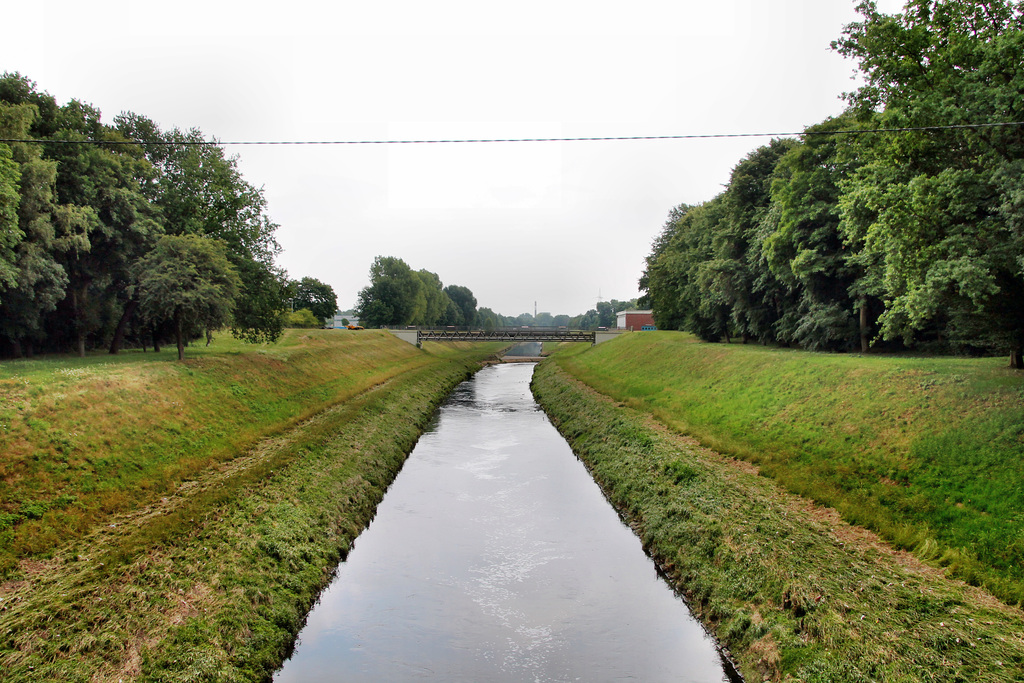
x=451 y=141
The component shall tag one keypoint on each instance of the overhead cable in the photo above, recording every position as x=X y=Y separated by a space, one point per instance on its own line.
x=450 y=141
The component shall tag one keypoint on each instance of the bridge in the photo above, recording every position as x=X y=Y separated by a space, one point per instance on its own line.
x=512 y=335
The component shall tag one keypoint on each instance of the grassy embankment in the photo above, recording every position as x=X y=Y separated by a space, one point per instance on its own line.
x=787 y=586
x=172 y=521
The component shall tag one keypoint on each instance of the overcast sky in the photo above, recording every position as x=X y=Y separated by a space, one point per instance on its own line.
x=559 y=224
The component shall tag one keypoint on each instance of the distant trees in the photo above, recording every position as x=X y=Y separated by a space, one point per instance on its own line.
x=316 y=296
x=843 y=241
x=464 y=305
x=398 y=295
x=77 y=215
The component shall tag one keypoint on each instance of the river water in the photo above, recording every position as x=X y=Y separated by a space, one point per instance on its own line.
x=495 y=557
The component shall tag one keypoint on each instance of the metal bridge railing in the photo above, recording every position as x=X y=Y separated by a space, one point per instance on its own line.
x=505 y=334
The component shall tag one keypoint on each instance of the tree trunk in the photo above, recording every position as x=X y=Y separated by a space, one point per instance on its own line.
x=29 y=349
x=77 y=304
x=865 y=342
x=122 y=325
x=16 y=346
x=1017 y=358
x=156 y=340
x=179 y=337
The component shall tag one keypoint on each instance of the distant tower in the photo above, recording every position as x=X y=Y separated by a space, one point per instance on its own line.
x=534 y=310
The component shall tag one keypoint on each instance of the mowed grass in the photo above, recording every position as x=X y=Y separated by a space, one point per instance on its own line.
x=790 y=591
x=929 y=452
x=213 y=581
x=84 y=439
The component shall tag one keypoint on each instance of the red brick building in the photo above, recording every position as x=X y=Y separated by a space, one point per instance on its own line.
x=635 y=320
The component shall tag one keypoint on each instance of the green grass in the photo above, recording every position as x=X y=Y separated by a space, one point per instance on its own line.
x=791 y=591
x=83 y=439
x=929 y=452
x=211 y=579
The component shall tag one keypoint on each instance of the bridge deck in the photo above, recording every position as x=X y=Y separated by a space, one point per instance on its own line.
x=514 y=335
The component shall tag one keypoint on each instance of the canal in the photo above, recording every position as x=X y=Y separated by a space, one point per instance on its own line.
x=495 y=557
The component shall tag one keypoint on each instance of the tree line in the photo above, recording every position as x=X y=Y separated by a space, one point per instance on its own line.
x=125 y=232
x=852 y=240
x=399 y=296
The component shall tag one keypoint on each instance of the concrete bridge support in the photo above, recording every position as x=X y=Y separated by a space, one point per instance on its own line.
x=411 y=336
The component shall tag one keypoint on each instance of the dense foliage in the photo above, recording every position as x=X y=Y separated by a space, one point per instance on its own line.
x=316 y=296
x=398 y=296
x=81 y=222
x=844 y=240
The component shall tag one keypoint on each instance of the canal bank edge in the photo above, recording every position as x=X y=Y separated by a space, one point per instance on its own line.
x=225 y=602
x=789 y=590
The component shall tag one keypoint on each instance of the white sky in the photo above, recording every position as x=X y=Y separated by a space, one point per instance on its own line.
x=556 y=223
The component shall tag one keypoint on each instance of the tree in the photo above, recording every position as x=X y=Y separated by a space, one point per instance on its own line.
x=827 y=301
x=104 y=221
x=488 y=319
x=675 y=278
x=10 y=233
x=464 y=300
x=316 y=296
x=188 y=280
x=586 y=321
x=260 y=302
x=200 y=191
x=390 y=298
x=736 y=277
x=431 y=300
x=37 y=282
x=86 y=211
x=938 y=213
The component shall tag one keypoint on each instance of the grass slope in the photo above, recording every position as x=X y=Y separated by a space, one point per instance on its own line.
x=209 y=574
x=82 y=439
x=792 y=591
x=928 y=452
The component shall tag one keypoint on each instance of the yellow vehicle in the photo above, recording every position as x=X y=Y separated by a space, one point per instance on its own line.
x=354 y=327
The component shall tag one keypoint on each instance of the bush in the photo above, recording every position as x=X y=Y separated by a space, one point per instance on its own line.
x=303 y=318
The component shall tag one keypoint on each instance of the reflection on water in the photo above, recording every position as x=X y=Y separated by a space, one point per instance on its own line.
x=527 y=349
x=494 y=557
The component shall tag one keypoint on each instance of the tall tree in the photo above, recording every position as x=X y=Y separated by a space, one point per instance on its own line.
x=390 y=298
x=735 y=276
x=675 y=280
x=431 y=300
x=200 y=191
x=39 y=282
x=315 y=295
x=939 y=212
x=260 y=302
x=827 y=302
x=188 y=280
x=10 y=232
x=464 y=300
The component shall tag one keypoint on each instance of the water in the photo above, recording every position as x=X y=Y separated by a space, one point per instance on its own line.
x=527 y=349
x=495 y=557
